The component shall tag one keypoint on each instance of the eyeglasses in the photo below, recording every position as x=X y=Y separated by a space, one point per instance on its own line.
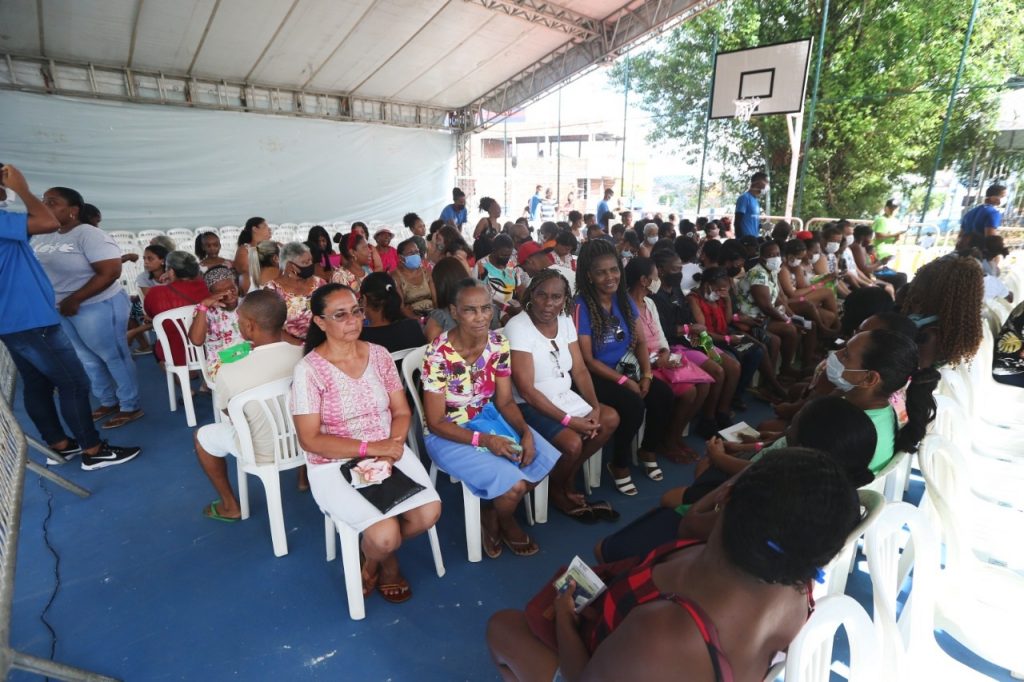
x=343 y=315
x=556 y=357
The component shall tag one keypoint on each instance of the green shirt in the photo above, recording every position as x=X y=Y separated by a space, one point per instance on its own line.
x=884 y=227
x=884 y=419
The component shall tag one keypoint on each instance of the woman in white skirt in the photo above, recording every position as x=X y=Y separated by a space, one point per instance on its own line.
x=348 y=402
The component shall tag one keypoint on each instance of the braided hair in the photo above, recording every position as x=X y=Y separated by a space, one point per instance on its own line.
x=543 y=276
x=951 y=288
x=600 y=319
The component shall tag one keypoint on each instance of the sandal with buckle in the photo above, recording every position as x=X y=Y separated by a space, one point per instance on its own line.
x=396 y=592
x=623 y=485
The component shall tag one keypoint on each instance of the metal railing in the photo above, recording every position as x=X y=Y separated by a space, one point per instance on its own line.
x=797 y=223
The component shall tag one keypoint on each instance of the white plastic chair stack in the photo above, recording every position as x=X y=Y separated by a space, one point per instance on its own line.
x=809 y=658
x=272 y=399
x=125 y=239
x=145 y=236
x=195 y=358
x=908 y=647
x=129 y=275
x=285 y=232
x=183 y=238
x=892 y=479
x=228 y=240
x=412 y=363
x=838 y=570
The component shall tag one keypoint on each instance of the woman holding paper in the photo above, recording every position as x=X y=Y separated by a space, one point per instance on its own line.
x=546 y=362
x=477 y=433
x=348 y=402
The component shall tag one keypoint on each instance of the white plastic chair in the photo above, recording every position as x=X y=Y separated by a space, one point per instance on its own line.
x=892 y=479
x=145 y=236
x=413 y=362
x=908 y=646
x=349 y=538
x=273 y=401
x=128 y=241
x=195 y=359
x=838 y=570
x=809 y=658
x=1002 y=404
x=183 y=237
x=129 y=275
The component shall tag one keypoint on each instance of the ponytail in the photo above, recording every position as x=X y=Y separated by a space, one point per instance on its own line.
x=379 y=291
x=920 y=409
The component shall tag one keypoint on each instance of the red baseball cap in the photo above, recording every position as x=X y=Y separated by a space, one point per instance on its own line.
x=527 y=249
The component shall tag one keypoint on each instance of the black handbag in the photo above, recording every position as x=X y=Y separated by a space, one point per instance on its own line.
x=388 y=494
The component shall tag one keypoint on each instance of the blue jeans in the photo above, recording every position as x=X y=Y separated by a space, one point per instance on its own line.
x=46 y=360
x=99 y=335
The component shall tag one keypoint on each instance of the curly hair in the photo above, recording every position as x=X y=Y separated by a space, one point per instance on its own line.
x=543 y=276
x=950 y=288
x=601 y=320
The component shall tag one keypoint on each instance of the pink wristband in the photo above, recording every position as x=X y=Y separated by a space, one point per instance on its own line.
x=476 y=439
x=566 y=419
x=686 y=330
x=623 y=379
x=803 y=298
x=202 y=308
x=728 y=339
x=735 y=317
x=363 y=446
x=758 y=446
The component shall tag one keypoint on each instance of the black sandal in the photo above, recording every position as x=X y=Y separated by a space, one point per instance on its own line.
x=603 y=511
x=583 y=513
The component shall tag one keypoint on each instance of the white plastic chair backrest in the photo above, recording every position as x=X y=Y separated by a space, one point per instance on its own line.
x=412 y=363
x=183 y=238
x=146 y=235
x=205 y=228
x=229 y=234
x=872 y=501
x=951 y=421
x=274 y=401
x=129 y=275
x=948 y=487
x=889 y=481
x=993 y=316
x=400 y=355
x=180 y=320
x=913 y=631
x=809 y=658
x=956 y=386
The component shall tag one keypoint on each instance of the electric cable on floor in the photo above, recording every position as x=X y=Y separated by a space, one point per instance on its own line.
x=56 y=568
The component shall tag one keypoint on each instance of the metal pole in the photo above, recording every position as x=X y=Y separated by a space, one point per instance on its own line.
x=625 y=109
x=949 y=109
x=814 y=106
x=558 y=177
x=707 y=123
x=505 y=145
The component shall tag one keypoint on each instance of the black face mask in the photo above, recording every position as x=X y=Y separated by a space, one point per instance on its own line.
x=733 y=271
x=304 y=271
x=672 y=281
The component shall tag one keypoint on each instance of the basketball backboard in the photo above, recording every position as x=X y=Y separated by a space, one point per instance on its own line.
x=772 y=76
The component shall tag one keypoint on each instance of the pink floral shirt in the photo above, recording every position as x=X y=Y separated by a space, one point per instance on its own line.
x=221 y=332
x=467 y=388
x=348 y=408
x=299 y=314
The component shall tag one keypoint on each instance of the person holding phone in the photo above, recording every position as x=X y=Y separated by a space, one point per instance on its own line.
x=466 y=371
x=348 y=402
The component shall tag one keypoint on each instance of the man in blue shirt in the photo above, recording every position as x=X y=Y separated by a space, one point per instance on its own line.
x=985 y=218
x=603 y=209
x=455 y=213
x=535 y=202
x=42 y=352
x=748 y=210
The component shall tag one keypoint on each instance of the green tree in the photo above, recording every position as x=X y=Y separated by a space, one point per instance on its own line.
x=887 y=70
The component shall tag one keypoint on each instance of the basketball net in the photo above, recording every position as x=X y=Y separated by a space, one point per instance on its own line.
x=745 y=107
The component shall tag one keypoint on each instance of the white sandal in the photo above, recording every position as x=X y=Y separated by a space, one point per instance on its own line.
x=653 y=470
x=623 y=485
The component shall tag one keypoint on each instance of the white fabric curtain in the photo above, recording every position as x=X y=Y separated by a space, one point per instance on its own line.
x=158 y=167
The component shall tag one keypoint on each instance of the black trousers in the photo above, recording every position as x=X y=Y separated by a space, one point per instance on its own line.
x=631 y=408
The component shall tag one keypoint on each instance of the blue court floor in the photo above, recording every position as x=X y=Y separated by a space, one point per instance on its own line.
x=152 y=590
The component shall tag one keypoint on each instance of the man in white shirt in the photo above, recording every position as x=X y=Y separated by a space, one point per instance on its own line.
x=261 y=317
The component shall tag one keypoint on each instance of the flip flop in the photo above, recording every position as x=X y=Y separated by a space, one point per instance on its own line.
x=623 y=485
x=211 y=513
x=396 y=593
x=582 y=513
x=369 y=581
x=603 y=511
x=486 y=541
x=652 y=470
x=525 y=547
x=122 y=418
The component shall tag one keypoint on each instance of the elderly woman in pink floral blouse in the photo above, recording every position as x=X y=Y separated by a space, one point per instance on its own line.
x=348 y=402
x=215 y=325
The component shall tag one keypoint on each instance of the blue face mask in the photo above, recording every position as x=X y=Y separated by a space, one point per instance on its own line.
x=413 y=262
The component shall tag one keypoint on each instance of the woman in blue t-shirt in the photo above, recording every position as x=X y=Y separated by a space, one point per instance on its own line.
x=619 y=363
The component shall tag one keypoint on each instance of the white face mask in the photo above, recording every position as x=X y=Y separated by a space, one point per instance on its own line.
x=832 y=247
x=834 y=370
x=713 y=296
x=652 y=240
x=773 y=264
x=655 y=286
x=848 y=239
x=794 y=262
x=815 y=258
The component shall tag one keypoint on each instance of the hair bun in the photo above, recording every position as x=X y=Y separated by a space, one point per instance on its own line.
x=388 y=287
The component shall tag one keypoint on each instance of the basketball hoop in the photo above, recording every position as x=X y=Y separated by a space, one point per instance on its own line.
x=745 y=108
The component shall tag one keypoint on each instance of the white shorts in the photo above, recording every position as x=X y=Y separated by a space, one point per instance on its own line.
x=218 y=439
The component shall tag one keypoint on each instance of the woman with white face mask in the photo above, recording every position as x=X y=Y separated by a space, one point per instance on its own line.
x=877 y=371
x=831 y=245
x=761 y=298
x=811 y=300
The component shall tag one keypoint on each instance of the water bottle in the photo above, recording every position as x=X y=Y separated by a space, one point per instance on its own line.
x=708 y=345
